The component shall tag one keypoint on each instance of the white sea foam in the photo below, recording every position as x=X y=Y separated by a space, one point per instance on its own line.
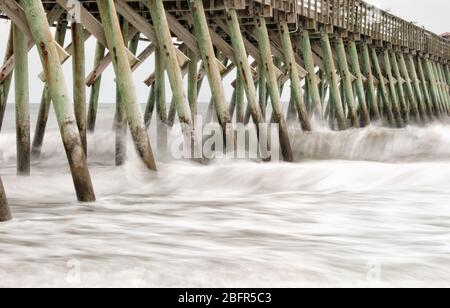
x=365 y=207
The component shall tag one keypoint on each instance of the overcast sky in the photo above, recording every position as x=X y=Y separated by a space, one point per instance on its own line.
x=432 y=14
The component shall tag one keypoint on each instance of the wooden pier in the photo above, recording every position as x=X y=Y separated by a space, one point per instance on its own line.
x=348 y=63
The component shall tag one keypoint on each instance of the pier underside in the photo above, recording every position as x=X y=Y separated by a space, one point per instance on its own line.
x=348 y=64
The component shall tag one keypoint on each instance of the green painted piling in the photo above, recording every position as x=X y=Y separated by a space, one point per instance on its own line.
x=40 y=30
x=44 y=106
x=79 y=73
x=410 y=68
x=370 y=83
x=208 y=56
x=332 y=76
x=95 y=89
x=193 y=82
x=164 y=37
x=22 y=102
x=399 y=85
x=6 y=84
x=384 y=94
x=296 y=88
x=359 y=84
x=418 y=113
x=124 y=80
x=432 y=85
x=273 y=87
x=5 y=213
x=392 y=82
x=313 y=84
x=426 y=90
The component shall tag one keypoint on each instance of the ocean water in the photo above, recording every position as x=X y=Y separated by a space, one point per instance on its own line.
x=366 y=207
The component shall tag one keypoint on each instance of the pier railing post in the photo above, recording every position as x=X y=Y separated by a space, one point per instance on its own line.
x=332 y=76
x=269 y=67
x=22 y=101
x=124 y=81
x=48 y=52
x=5 y=213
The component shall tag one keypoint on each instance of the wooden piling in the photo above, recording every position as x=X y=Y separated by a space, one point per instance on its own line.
x=124 y=80
x=48 y=52
x=269 y=67
x=426 y=90
x=22 y=102
x=296 y=88
x=399 y=86
x=173 y=69
x=392 y=82
x=193 y=82
x=370 y=83
x=95 y=89
x=330 y=69
x=313 y=85
x=432 y=86
x=79 y=73
x=383 y=92
x=44 y=106
x=359 y=84
x=208 y=56
x=346 y=81
x=6 y=84
x=5 y=213
x=411 y=70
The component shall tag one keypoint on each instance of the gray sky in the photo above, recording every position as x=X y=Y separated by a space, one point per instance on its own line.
x=433 y=14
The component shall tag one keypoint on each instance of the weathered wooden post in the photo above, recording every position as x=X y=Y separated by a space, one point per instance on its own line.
x=330 y=69
x=150 y=107
x=410 y=68
x=193 y=82
x=296 y=88
x=40 y=30
x=5 y=213
x=426 y=88
x=6 y=84
x=180 y=102
x=210 y=64
x=432 y=85
x=269 y=67
x=370 y=84
x=95 y=90
x=413 y=99
x=404 y=108
x=124 y=80
x=79 y=73
x=383 y=92
x=22 y=101
x=393 y=90
x=359 y=84
x=313 y=85
x=347 y=81
x=44 y=107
